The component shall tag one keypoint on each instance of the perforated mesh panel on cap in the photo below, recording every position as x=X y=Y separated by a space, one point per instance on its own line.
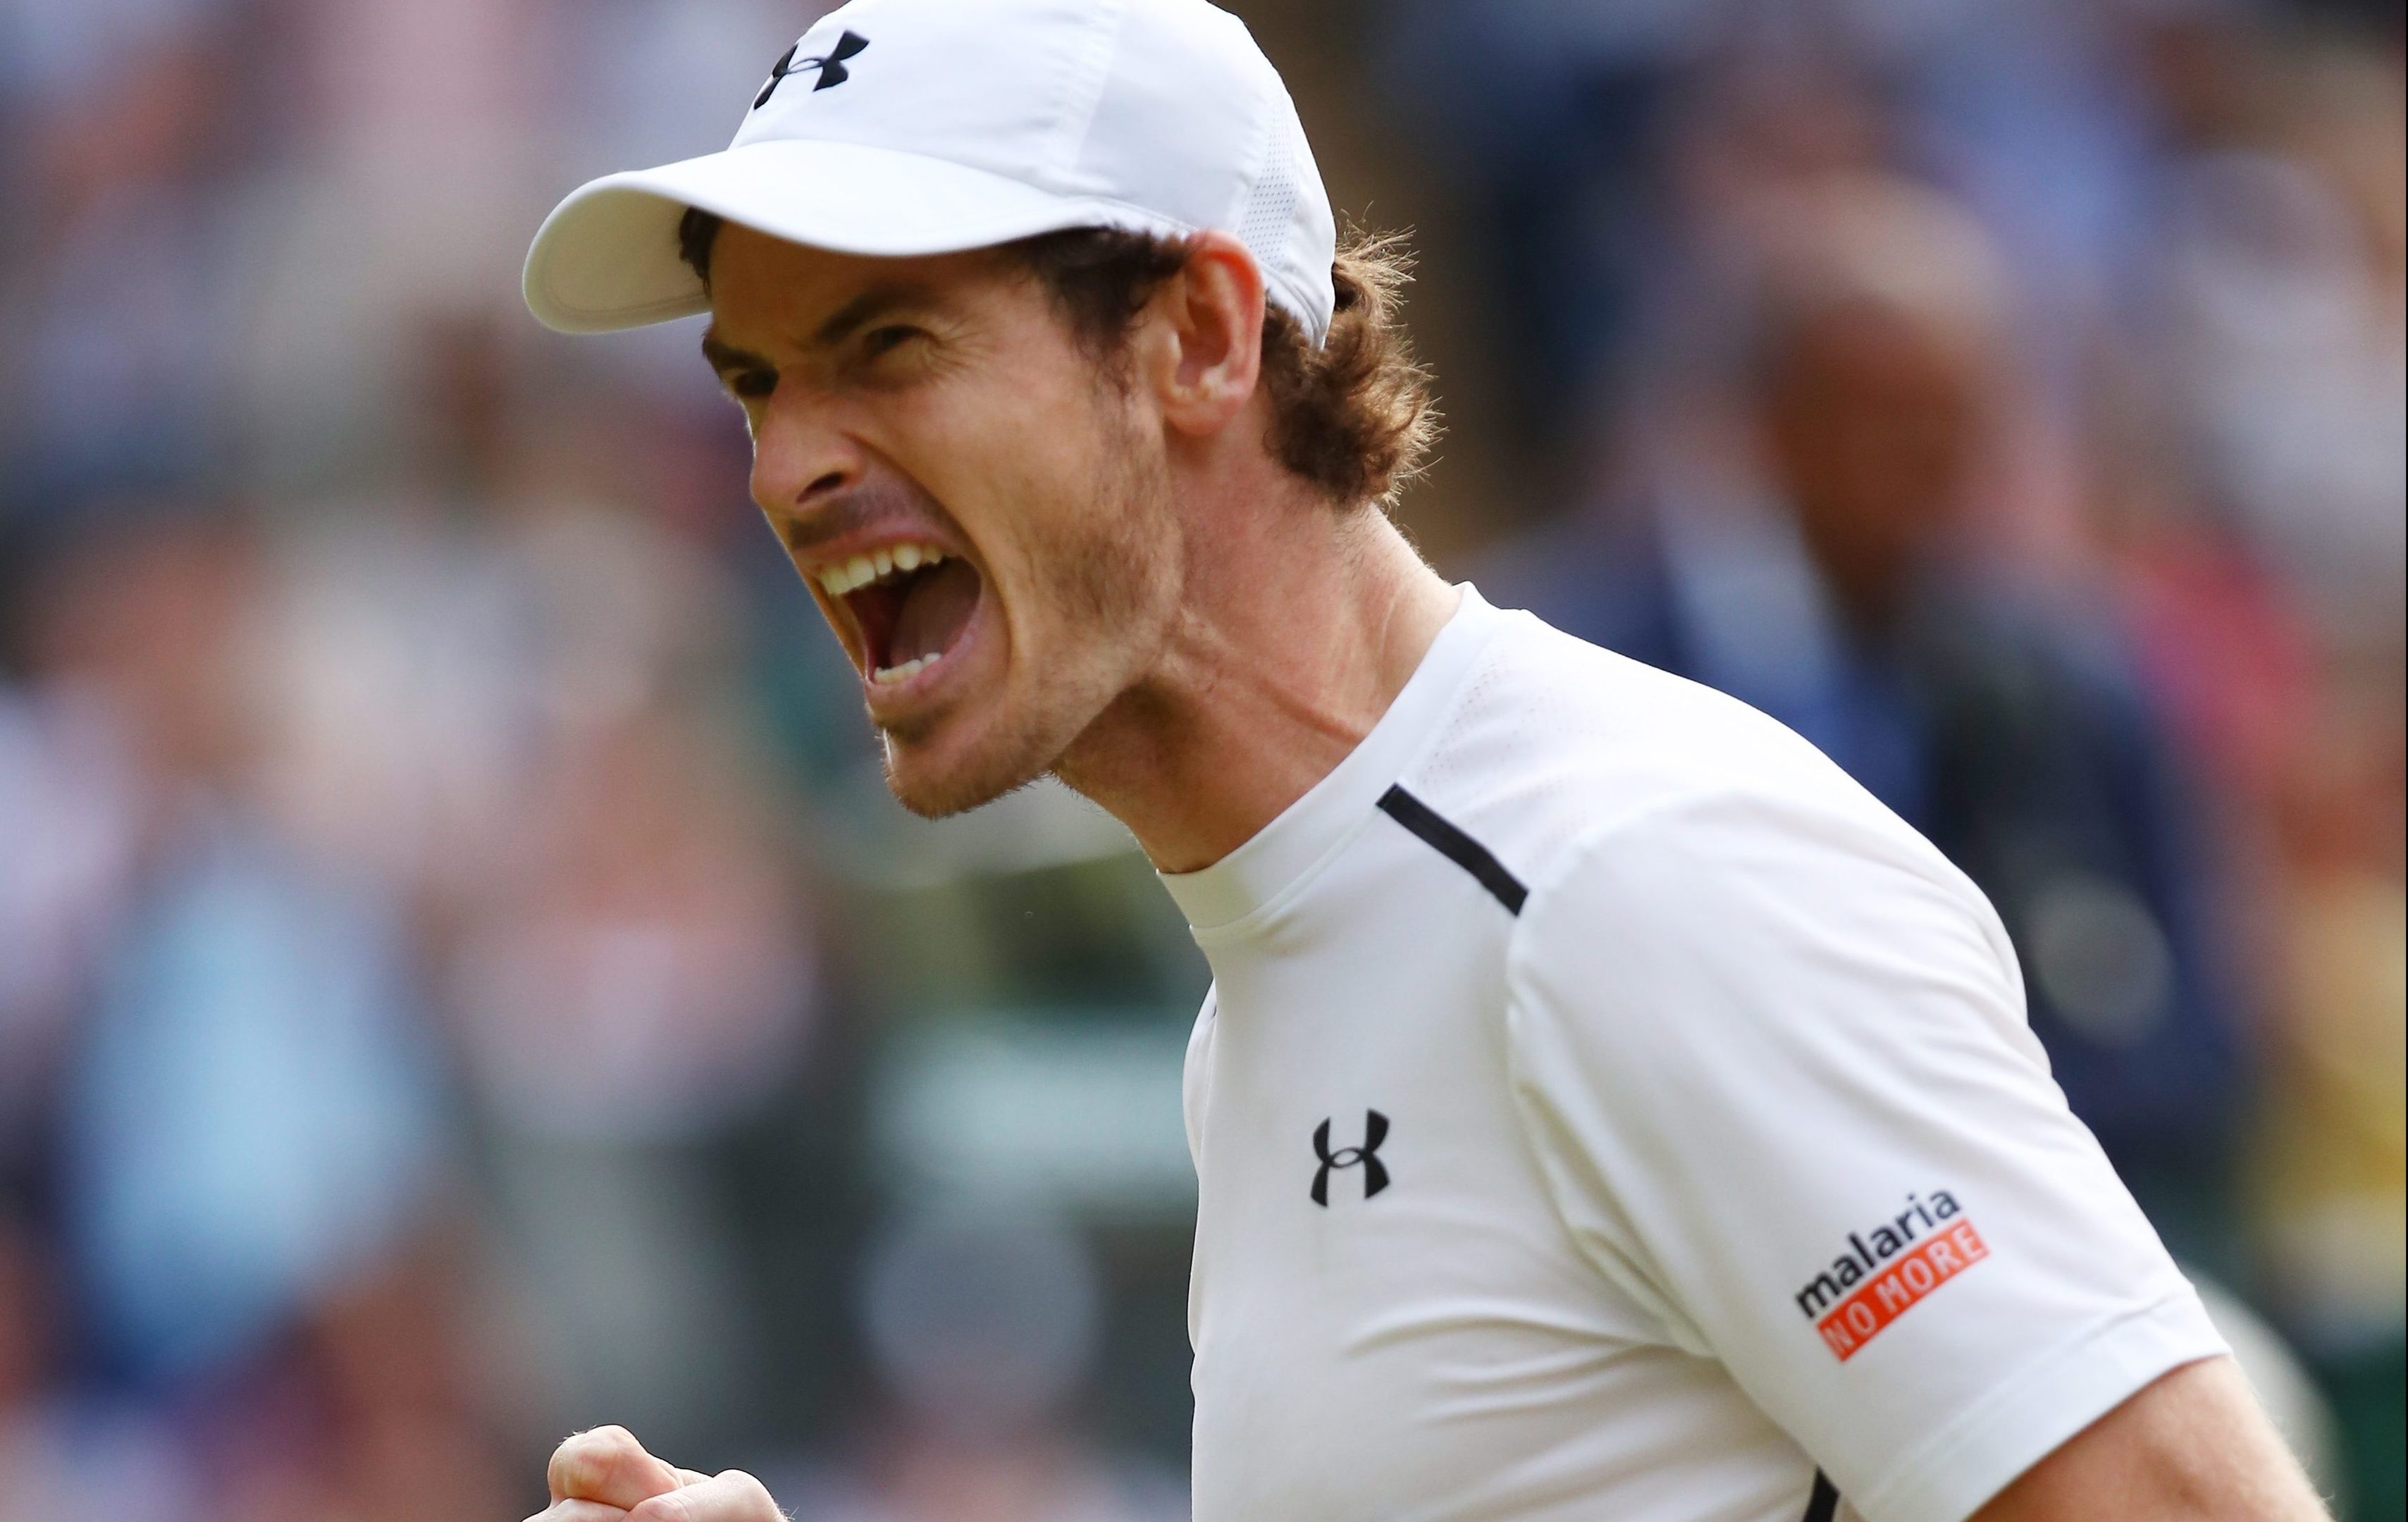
x=1270 y=208
x=1267 y=228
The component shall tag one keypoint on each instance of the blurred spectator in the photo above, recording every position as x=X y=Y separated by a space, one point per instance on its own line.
x=640 y=984
x=243 y=1099
x=246 y=1115
x=63 y=1454
x=507 y=691
x=2330 y=1147
x=1818 y=564
x=2278 y=326
x=114 y=288
x=374 y=1412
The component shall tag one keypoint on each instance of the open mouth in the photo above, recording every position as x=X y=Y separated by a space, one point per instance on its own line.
x=910 y=603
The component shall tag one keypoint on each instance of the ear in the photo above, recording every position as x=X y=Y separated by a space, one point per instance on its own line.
x=1203 y=349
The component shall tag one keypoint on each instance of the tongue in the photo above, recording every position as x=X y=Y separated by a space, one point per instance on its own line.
x=937 y=606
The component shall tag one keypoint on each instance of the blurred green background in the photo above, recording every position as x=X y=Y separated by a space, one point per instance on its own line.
x=461 y=978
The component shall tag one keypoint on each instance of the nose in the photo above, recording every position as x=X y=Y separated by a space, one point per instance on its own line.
x=802 y=454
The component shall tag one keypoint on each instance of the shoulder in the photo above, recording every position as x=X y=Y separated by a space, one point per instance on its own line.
x=1691 y=841
x=1557 y=749
x=1731 y=880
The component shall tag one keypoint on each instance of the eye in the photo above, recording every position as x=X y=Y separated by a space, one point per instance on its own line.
x=885 y=340
x=751 y=385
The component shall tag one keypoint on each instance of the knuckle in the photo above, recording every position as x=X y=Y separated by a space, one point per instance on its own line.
x=586 y=1458
x=730 y=1496
x=753 y=1502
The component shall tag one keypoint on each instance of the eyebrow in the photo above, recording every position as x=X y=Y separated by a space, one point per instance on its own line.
x=870 y=304
x=724 y=357
x=846 y=319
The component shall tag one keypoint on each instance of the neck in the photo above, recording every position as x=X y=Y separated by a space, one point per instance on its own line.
x=1298 y=628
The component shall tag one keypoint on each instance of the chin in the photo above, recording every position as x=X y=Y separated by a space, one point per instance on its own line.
x=965 y=754
x=936 y=785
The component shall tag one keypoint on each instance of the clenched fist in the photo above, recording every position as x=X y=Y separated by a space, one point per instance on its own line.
x=605 y=1475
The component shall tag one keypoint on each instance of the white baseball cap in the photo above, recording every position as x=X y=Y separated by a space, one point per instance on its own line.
x=902 y=127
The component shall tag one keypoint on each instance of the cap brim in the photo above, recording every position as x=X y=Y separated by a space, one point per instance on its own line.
x=607 y=257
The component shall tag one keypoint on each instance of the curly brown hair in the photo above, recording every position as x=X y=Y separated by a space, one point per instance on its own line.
x=1354 y=418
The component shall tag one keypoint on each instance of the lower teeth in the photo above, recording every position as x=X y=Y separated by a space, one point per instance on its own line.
x=889 y=675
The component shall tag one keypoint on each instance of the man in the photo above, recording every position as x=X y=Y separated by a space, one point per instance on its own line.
x=1605 y=1108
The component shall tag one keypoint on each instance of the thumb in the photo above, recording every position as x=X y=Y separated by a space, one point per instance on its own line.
x=609 y=1466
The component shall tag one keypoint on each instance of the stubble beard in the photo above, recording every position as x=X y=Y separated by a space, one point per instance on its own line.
x=1115 y=588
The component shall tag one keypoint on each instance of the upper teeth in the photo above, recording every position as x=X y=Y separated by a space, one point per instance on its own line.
x=877 y=566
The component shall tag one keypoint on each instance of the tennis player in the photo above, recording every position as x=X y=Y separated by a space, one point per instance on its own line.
x=1604 y=1109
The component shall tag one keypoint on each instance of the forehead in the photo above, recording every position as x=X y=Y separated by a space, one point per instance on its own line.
x=764 y=290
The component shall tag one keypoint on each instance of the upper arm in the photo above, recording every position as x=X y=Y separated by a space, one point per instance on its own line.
x=2194 y=1446
x=1771 y=1057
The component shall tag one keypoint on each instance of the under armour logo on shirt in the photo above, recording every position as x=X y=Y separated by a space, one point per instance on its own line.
x=831 y=67
x=1367 y=1157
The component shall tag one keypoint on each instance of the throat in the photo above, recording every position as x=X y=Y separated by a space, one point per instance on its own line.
x=1237 y=729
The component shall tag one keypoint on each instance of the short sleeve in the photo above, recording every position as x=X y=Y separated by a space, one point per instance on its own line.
x=1771 y=1056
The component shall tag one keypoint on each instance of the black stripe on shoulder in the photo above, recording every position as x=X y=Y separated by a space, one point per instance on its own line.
x=1824 y=1505
x=1454 y=846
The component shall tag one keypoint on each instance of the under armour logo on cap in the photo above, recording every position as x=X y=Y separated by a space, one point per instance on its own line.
x=831 y=67
x=1367 y=1157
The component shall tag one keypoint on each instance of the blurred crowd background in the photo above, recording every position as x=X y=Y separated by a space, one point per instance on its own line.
x=461 y=978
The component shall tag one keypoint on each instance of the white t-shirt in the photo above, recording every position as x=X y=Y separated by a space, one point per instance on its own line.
x=1605 y=1109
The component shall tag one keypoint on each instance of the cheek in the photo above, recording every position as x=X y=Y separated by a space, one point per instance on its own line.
x=1033 y=474
x=1026 y=422
x=980 y=434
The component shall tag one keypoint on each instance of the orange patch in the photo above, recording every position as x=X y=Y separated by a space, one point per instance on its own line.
x=1889 y=1294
